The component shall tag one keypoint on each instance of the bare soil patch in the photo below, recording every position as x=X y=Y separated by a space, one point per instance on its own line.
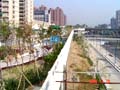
x=77 y=63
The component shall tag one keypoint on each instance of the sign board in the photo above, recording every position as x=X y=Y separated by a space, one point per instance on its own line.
x=55 y=39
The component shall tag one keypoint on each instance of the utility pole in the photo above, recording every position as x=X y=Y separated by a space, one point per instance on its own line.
x=115 y=52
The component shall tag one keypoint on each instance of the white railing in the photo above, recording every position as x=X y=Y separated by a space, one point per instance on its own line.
x=50 y=82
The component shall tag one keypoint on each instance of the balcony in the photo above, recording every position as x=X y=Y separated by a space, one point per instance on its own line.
x=22 y=8
x=21 y=11
x=22 y=15
x=22 y=19
x=5 y=19
x=4 y=3
x=22 y=4
x=5 y=15
x=5 y=10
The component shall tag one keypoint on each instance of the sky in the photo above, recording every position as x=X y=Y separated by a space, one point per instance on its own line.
x=90 y=12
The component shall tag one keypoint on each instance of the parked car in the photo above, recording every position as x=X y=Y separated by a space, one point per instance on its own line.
x=110 y=55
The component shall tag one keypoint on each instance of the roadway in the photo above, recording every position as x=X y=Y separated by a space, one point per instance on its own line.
x=101 y=55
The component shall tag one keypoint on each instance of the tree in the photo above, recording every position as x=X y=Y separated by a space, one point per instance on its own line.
x=68 y=29
x=4 y=31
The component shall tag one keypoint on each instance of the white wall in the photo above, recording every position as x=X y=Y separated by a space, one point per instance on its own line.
x=50 y=82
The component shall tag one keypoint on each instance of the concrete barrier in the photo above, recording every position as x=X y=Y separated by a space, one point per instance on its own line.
x=50 y=82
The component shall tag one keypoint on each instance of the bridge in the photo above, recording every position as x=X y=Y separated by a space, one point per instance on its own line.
x=103 y=38
x=60 y=64
x=100 y=29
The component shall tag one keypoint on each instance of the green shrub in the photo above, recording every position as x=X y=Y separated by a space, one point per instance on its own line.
x=11 y=84
x=34 y=75
x=101 y=86
x=90 y=61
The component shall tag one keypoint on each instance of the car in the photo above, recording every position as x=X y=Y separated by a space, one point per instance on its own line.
x=110 y=55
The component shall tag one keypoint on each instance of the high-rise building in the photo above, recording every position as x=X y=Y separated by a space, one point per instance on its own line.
x=57 y=16
x=113 y=23
x=43 y=8
x=118 y=18
x=41 y=14
x=16 y=12
x=26 y=11
x=9 y=11
x=52 y=15
x=29 y=5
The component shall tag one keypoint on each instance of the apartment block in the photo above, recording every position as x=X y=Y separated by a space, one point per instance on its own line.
x=41 y=14
x=57 y=16
x=16 y=12
x=52 y=16
x=113 y=23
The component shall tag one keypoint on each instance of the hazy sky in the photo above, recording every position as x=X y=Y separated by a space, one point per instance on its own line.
x=91 y=12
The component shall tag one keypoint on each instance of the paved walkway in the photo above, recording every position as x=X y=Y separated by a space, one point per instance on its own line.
x=26 y=58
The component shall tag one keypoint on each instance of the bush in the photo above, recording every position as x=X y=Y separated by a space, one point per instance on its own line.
x=90 y=61
x=50 y=58
x=11 y=84
x=34 y=75
x=101 y=86
x=31 y=76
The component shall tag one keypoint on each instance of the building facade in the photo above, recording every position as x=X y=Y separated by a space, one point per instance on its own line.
x=113 y=23
x=29 y=11
x=57 y=16
x=16 y=12
x=52 y=16
x=9 y=11
x=41 y=14
x=118 y=18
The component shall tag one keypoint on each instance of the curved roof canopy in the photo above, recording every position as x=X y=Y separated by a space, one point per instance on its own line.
x=56 y=27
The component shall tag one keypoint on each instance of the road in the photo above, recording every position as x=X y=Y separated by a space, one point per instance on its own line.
x=103 y=65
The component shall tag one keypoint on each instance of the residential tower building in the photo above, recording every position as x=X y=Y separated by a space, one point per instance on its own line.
x=16 y=12
x=118 y=18
x=57 y=16
x=113 y=23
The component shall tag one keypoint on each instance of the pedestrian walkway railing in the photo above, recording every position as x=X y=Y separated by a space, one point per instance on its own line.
x=50 y=82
